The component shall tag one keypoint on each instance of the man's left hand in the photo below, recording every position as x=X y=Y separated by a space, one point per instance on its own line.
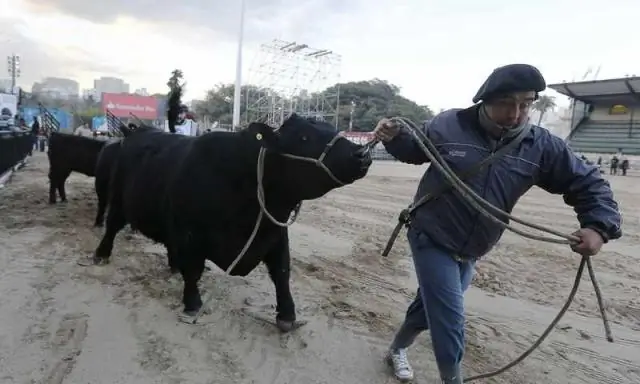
x=590 y=242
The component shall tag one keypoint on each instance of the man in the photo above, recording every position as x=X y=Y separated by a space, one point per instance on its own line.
x=185 y=124
x=35 y=129
x=614 y=165
x=447 y=236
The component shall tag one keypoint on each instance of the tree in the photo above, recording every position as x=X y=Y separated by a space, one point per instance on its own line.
x=175 y=79
x=543 y=105
x=370 y=101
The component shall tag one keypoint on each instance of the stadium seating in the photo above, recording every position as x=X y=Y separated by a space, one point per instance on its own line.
x=606 y=137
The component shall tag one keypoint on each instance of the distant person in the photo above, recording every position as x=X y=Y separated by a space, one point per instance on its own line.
x=185 y=124
x=35 y=130
x=614 y=165
x=624 y=166
x=447 y=237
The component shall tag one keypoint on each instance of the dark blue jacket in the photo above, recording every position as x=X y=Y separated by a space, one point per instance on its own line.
x=541 y=159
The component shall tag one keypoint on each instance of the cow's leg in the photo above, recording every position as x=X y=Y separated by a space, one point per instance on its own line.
x=278 y=262
x=191 y=270
x=53 y=182
x=115 y=222
x=61 y=180
x=102 y=189
x=173 y=261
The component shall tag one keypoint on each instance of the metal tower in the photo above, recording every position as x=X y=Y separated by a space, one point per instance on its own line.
x=288 y=77
x=13 y=66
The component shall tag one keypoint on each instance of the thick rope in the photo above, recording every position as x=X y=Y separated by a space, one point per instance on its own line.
x=490 y=211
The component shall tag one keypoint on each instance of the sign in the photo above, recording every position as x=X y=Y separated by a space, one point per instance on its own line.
x=358 y=137
x=99 y=123
x=123 y=105
x=618 y=109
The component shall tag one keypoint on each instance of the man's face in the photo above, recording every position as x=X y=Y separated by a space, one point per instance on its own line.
x=511 y=110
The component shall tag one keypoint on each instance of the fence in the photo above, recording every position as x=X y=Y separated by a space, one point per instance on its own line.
x=14 y=147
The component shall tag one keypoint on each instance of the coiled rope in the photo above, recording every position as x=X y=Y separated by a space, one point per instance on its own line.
x=495 y=214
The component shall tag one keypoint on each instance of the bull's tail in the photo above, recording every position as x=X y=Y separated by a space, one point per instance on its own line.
x=173 y=106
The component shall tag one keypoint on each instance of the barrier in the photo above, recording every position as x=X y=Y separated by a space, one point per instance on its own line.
x=14 y=147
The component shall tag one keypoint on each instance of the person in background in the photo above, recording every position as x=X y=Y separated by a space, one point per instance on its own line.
x=185 y=125
x=614 y=165
x=35 y=130
x=624 y=166
x=447 y=236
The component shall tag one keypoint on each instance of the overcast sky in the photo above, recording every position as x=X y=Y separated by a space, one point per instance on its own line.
x=438 y=52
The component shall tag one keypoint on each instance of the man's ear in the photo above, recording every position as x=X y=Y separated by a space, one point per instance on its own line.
x=266 y=135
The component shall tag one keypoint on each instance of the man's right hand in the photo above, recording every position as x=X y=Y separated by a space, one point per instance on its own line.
x=386 y=130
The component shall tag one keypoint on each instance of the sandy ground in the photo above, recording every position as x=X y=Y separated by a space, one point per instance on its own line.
x=60 y=322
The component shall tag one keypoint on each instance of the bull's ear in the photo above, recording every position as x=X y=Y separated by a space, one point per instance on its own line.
x=266 y=135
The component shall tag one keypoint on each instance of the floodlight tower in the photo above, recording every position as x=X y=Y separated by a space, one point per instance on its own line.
x=288 y=77
x=13 y=66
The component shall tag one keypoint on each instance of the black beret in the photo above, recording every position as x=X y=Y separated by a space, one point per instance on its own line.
x=509 y=79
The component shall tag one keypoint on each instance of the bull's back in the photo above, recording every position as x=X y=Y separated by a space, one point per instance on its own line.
x=74 y=153
x=145 y=165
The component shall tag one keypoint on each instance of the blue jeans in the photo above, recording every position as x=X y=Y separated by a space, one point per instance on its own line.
x=439 y=303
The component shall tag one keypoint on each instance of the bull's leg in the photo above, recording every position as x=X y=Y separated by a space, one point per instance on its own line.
x=191 y=270
x=173 y=261
x=101 y=191
x=53 y=183
x=115 y=222
x=61 y=180
x=52 y=189
x=278 y=262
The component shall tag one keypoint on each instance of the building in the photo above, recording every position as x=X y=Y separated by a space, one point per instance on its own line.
x=91 y=93
x=57 y=87
x=605 y=116
x=110 y=85
x=142 y=92
x=5 y=85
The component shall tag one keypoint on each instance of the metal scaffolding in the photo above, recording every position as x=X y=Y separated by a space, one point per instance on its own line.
x=288 y=77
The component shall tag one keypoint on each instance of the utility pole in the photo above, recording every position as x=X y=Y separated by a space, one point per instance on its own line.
x=238 y=84
x=13 y=66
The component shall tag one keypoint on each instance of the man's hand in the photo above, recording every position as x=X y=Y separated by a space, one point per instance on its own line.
x=386 y=130
x=590 y=242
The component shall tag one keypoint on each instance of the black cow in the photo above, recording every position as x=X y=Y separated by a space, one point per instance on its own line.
x=70 y=153
x=199 y=197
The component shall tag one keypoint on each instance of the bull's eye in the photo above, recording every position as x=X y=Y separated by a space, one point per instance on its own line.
x=303 y=138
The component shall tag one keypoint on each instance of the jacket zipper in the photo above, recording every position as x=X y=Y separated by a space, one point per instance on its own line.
x=484 y=193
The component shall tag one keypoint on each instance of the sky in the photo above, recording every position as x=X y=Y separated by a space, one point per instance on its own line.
x=437 y=52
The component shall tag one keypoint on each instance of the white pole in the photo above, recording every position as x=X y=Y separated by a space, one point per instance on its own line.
x=236 y=92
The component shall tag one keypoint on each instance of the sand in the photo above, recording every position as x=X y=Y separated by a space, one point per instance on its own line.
x=63 y=323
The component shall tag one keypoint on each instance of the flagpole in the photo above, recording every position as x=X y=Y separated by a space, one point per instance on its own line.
x=238 y=86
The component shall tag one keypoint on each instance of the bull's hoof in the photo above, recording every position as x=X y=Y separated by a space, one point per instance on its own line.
x=287 y=325
x=90 y=261
x=188 y=317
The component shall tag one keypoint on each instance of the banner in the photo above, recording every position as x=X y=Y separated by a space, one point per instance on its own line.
x=121 y=105
x=8 y=108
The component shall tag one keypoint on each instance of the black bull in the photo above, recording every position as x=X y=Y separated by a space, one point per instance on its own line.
x=198 y=197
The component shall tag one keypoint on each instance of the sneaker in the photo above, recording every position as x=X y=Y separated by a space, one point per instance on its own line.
x=398 y=361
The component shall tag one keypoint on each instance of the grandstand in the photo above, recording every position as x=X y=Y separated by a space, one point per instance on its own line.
x=605 y=115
